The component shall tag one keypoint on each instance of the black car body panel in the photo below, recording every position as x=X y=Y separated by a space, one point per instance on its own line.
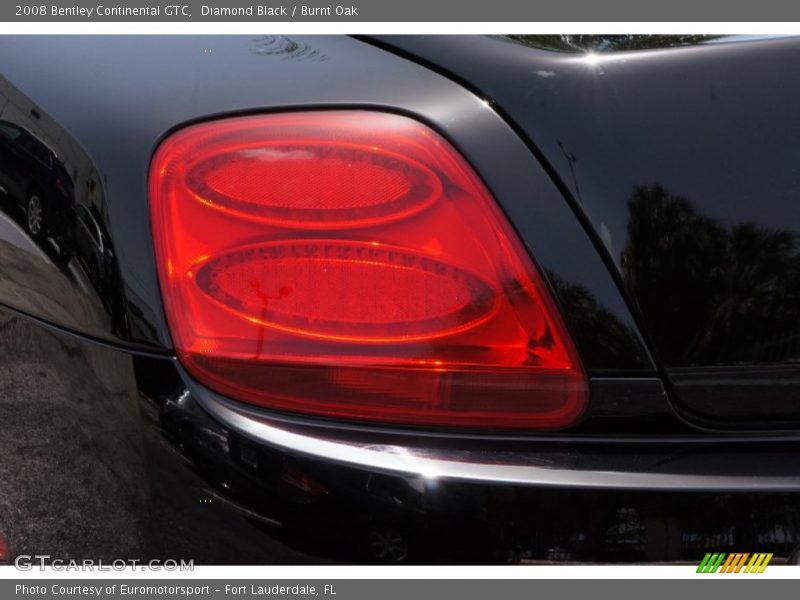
x=34 y=177
x=683 y=163
x=181 y=81
x=137 y=459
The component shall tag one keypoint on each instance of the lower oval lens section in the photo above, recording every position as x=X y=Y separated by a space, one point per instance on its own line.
x=352 y=291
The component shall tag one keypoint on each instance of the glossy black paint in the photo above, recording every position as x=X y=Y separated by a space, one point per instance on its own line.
x=113 y=448
x=34 y=177
x=46 y=270
x=113 y=458
x=683 y=164
x=118 y=98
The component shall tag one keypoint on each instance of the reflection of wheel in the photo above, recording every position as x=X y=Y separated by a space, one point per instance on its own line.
x=794 y=557
x=387 y=545
x=34 y=211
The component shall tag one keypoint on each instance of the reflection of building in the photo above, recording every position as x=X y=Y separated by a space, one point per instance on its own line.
x=58 y=259
x=17 y=108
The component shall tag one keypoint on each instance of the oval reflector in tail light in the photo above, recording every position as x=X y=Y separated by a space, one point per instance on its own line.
x=350 y=264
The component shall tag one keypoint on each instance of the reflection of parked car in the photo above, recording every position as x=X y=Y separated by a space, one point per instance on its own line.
x=95 y=254
x=32 y=175
x=92 y=247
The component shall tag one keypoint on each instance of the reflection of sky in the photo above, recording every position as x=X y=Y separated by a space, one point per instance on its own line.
x=723 y=133
x=730 y=154
x=182 y=77
x=751 y=37
x=716 y=123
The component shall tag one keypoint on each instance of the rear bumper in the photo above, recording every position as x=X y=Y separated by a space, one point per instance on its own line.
x=699 y=462
x=459 y=499
x=564 y=503
x=130 y=462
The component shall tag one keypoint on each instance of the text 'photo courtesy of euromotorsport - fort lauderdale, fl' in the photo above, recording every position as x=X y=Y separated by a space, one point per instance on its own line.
x=169 y=590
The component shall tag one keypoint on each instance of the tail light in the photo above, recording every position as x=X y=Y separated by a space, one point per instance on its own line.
x=351 y=264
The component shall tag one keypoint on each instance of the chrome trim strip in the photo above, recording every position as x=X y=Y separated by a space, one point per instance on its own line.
x=465 y=465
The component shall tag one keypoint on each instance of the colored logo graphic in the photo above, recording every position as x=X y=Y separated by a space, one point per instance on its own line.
x=739 y=562
x=4 y=553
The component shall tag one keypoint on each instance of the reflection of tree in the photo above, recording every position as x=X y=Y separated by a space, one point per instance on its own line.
x=609 y=43
x=709 y=293
x=598 y=332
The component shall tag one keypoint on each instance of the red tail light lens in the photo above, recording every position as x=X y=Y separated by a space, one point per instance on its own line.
x=350 y=264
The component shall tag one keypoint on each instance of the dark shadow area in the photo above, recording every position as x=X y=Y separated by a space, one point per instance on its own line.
x=722 y=305
x=711 y=293
x=598 y=331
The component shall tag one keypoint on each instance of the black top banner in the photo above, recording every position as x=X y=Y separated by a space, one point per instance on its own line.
x=405 y=11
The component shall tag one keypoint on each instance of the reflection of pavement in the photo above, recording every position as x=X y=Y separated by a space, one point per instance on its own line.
x=30 y=280
x=17 y=236
x=79 y=479
x=14 y=234
x=71 y=467
x=80 y=277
